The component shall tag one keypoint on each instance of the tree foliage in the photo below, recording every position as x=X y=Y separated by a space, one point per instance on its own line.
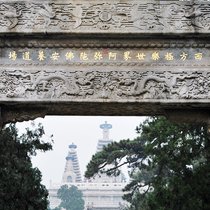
x=169 y=165
x=71 y=198
x=20 y=183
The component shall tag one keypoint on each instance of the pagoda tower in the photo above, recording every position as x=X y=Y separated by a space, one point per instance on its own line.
x=105 y=140
x=103 y=178
x=72 y=171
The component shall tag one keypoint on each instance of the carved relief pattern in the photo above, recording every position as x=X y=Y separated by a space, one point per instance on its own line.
x=99 y=85
x=132 y=16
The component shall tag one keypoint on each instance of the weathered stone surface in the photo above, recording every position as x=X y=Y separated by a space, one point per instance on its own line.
x=169 y=71
x=154 y=76
x=105 y=17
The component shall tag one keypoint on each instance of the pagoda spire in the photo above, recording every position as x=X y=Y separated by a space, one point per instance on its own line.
x=105 y=140
x=72 y=170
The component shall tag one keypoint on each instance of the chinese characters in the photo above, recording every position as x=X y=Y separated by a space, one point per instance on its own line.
x=105 y=55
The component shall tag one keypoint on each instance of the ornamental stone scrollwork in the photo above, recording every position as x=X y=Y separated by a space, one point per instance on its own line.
x=110 y=16
x=98 y=85
x=9 y=15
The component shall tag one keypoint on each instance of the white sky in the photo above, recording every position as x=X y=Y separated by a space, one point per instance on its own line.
x=82 y=131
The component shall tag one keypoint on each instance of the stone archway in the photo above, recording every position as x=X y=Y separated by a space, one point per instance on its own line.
x=110 y=58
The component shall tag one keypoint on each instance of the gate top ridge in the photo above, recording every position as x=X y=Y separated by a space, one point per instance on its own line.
x=112 y=17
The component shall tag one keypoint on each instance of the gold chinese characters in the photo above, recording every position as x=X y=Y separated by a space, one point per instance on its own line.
x=44 y=55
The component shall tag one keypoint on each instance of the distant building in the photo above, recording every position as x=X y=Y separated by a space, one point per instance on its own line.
x=103 y=178
x=72 y=170
x=105 y=140
x=101 y=193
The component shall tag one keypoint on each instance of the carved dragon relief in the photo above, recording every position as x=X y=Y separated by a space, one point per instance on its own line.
x=135 y=16
x=9 y=16
x=97 y=85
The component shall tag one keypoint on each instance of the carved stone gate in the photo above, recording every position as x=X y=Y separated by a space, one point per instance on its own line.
x=112 y=57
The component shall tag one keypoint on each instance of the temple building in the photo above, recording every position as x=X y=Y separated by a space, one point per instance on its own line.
x=99 y=193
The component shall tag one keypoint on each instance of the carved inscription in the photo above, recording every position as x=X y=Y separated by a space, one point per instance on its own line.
x=105 y=56
x=172 y=71
x=109 y=16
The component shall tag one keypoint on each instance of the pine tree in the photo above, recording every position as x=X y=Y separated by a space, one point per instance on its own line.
x=169 y=165
x=71 y=198
x=20 y=183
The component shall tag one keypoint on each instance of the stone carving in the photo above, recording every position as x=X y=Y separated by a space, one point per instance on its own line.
x=100 y=85
x=9 y=15
x=46 y=12
x=96 y=16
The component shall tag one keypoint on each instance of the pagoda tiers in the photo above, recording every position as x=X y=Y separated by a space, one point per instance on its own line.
x=101 y=193
x=72 y=170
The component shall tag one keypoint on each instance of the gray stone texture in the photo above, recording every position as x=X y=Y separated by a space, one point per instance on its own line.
x=105 y=17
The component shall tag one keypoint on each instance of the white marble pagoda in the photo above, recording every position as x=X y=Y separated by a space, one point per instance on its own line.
x=101 y=193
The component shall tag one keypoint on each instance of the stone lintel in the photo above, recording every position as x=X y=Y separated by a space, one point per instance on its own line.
x=30 y=111
x=105 y=18
x=41 y=76
x=189 y=116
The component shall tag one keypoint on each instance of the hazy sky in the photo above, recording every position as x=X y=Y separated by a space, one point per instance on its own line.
x=82 y=131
